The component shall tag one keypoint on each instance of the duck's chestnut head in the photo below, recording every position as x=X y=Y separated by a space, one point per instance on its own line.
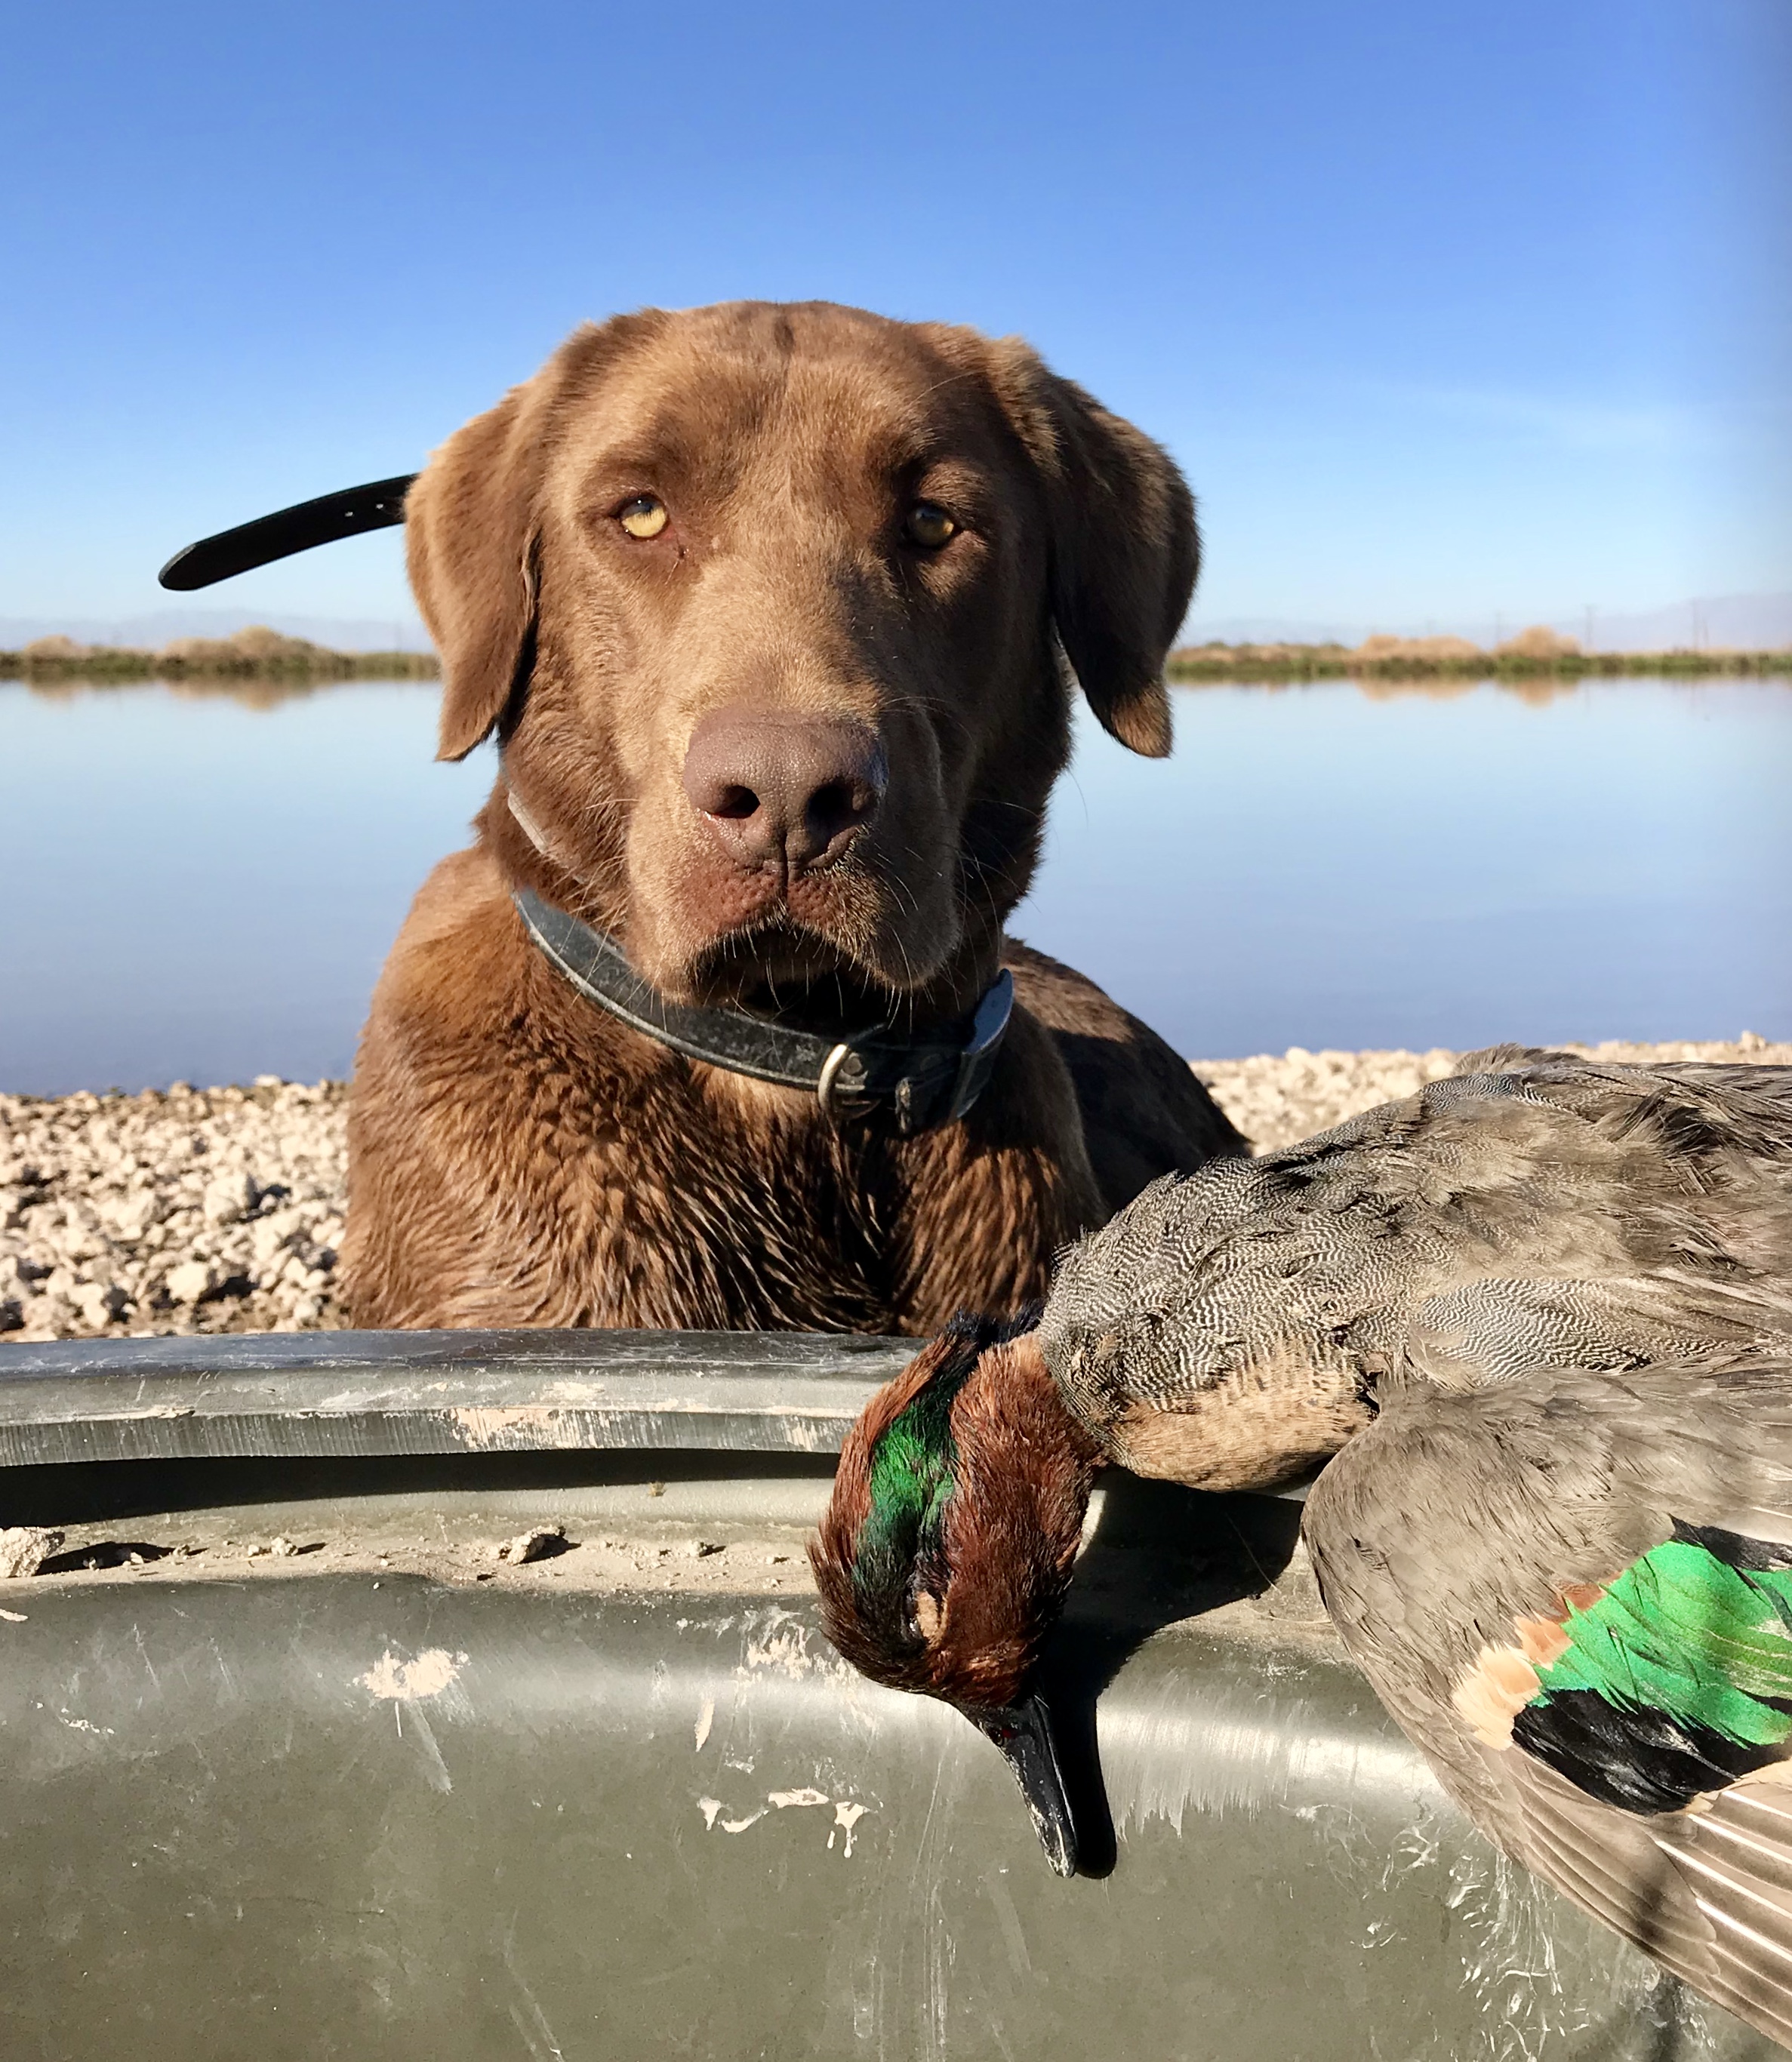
x=947 y=1547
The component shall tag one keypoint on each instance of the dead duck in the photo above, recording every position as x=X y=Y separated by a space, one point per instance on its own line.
x=1544 y=1308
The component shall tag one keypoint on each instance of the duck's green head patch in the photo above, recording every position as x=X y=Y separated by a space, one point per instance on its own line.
x=912 y=1479
x=1674 y=1679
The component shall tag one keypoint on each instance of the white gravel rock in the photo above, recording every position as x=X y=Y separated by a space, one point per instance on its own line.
x=24 y=1549
x=540 y=1544
x=221 y=1209
x=190 y=1282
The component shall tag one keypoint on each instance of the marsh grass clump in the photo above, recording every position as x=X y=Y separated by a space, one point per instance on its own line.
x=1539 y=643
x=1537 y=655
x=256 y=653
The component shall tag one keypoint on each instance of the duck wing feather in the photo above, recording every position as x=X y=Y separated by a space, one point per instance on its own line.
x=1573 y=1593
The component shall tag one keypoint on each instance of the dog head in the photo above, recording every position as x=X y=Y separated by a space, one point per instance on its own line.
x=769 y=607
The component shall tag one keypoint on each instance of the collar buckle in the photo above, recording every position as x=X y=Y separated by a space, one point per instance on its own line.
x=844 y=1076
x=935 y=1086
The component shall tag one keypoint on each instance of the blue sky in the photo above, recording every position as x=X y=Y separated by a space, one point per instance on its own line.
x=1448 y=311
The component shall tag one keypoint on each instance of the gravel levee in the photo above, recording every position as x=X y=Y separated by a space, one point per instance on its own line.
x=220 y=1209
x=199 y=1210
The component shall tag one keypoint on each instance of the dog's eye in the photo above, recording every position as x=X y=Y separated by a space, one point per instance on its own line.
x=929 y=525
x=644 y=516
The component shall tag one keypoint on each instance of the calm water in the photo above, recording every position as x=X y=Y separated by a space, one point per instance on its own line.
x=199 y=890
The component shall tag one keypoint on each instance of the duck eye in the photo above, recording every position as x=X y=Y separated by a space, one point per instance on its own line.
x=928 y=525
x=644 y=516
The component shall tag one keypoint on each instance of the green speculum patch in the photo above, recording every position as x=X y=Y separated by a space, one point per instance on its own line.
x=1683 y=1631
x=1676 y=1680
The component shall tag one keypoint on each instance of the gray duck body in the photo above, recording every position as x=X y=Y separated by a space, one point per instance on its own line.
x=1234 y=1327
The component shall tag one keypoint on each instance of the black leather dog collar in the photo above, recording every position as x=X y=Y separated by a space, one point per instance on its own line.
x=348 y=512
x=925 y=1082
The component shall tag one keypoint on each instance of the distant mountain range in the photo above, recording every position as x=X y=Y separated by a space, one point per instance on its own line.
x=150 y=632
x=1743 y=622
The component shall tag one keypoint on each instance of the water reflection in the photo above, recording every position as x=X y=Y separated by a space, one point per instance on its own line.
x=1539 y=691
x=248 y=692
x=206 y=876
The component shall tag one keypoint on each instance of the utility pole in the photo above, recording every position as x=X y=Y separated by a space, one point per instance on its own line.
x=1587 y=646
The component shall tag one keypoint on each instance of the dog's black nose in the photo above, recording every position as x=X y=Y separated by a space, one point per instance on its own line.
x=782 y=787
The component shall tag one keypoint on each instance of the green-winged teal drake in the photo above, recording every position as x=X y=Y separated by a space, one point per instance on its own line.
x=1542 y=1312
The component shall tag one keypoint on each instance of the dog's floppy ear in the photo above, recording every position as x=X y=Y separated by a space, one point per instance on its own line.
x=1125 y=549
x=470 y=524
x=473 y=523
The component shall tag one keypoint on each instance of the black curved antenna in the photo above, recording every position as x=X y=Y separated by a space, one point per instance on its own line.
x=346 y=513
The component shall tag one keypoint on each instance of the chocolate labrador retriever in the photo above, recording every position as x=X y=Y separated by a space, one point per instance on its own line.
x=776 y=611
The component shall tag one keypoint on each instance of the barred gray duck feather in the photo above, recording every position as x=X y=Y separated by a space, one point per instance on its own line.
x=1534 y=1210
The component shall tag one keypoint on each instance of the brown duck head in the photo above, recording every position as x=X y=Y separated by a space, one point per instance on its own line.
x=947 y=1548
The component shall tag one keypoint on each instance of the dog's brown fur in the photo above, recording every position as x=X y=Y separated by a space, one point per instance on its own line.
x=518 y=1156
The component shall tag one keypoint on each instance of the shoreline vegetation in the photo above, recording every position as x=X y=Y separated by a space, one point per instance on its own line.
x=254 y=654
x=262 y=667
x=1536 y=654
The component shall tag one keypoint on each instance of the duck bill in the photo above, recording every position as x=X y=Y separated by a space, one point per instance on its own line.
x=1023 y=1732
